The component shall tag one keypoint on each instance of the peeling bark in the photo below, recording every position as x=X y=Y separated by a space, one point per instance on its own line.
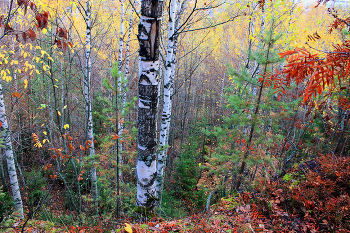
x=151 y=13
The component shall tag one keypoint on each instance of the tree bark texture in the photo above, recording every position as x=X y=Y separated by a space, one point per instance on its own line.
x=11 y=167
x=168 y=91
x=148 y=36
x=87 y=88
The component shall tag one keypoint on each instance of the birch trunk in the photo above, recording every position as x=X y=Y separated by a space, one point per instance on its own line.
x=119 y=93
x=168 y=91
x=11 y=167
x=121 y=81
x=127 y=47
x=87 y=84
x=148 y=36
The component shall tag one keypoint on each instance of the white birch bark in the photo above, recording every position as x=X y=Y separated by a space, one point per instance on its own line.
x=87 y=95
x=148 y=36
x=127 y=47
x=11 y=167
x=168 y=91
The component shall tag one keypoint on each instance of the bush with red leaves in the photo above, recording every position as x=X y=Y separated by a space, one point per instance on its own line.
x=314 y=196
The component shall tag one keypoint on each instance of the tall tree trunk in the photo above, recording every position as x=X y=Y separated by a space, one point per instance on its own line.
x=119 y=94
x=87 y=84
x=151 y=13
x=9 y=157
x=127 y=47
x=168 y=91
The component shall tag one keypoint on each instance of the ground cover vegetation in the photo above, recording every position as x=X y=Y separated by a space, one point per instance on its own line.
x=174 y=116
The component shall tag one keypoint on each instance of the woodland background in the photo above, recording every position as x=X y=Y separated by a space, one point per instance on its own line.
x=259 y=121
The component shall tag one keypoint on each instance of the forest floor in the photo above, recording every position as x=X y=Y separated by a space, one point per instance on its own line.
x=312 y=197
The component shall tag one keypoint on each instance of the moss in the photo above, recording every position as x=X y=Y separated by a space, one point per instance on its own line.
x=144 y=211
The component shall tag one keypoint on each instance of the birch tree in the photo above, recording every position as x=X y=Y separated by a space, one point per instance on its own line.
x=148 y=36
x=168 y=91
x=11 y=167
x=87 y=94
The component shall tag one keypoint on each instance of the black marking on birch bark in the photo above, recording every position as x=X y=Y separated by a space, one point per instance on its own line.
x=144 y=77
x=148 y=155
x=149 y=93
x=151 y=8
x=149 y=182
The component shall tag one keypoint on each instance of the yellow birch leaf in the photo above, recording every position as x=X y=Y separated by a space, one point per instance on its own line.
x=25 y=83
x=128 y=228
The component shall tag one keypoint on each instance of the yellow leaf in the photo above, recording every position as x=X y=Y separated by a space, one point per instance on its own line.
x=58 y=112
x=128 y=228
x=66 y=126
x=200 y=164
x=45 y=133
x=44 y=30
x=25 y=83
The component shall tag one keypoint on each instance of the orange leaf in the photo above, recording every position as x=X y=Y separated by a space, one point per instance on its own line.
x=16 y=94
x=287 y=53
x=81 y=147
x=115 y=136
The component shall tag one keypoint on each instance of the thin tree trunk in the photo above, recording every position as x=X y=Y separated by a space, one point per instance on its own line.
x=256 y=111
x=10 y=157
x=119 y=93
x=168 y=91
x=151 y=13
x=89 y=123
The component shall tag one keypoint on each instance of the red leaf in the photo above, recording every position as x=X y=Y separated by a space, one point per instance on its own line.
x=63 y=33
x=65 y=47
x=59 y=43
x=31 y=34
x=16 y=94
x=287 y=53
